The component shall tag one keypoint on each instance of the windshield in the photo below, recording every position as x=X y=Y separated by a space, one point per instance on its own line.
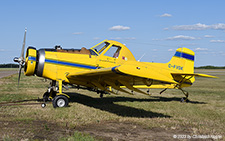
x=99 y=48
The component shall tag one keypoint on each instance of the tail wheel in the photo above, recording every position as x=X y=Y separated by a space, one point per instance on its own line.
x=60 y=101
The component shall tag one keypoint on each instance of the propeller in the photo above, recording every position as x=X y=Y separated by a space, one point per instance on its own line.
x=21 y=59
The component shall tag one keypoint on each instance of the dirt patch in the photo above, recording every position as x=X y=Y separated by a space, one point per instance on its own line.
x=109 y=131
x=26 y=129
x=128 y=131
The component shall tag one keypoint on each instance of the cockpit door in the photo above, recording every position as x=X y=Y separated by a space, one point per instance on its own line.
x=109 y=57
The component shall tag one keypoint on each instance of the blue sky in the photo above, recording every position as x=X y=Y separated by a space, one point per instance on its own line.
x=154 y=29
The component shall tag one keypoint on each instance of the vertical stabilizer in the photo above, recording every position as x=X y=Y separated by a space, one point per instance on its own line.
x=182 y=61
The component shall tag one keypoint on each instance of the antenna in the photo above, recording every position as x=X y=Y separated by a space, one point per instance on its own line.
x=141 y=57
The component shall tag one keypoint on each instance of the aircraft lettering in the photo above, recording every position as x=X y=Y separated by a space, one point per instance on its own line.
x=175 y=67
x=106 y=61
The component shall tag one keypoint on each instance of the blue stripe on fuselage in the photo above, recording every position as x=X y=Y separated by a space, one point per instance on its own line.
x=184 y=55
x=69 y=64
x=30 y=58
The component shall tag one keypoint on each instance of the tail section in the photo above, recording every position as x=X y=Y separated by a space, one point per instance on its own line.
x=181 y=64
x=182 y=61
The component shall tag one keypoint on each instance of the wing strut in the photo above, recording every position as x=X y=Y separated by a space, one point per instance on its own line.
x=116 y=87
x=102 y=87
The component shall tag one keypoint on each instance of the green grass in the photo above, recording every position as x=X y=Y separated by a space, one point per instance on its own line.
x=78 y=137
x=204 y=115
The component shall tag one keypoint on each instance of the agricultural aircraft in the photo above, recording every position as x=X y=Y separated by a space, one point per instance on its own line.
x=108 y=67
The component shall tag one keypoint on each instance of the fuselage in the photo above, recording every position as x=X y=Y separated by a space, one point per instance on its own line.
x=56 y=64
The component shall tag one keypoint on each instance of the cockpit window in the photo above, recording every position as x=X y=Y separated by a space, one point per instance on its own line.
x=114 y=51
x=101 y=47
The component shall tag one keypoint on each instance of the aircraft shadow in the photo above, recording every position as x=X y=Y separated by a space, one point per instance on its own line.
x=165 y=99
x=107 y=104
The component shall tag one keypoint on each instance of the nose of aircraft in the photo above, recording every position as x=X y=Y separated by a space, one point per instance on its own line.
x=16 y=59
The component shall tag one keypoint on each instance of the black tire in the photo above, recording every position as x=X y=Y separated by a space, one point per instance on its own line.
x=60 y=101
x=46 y=97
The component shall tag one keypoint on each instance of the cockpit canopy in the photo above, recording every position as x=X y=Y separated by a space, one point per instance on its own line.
x=107 y=48
x=113 y=49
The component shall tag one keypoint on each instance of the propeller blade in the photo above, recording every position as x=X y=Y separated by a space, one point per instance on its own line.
x=21 y=59
x=23 y=47
x=20 y=68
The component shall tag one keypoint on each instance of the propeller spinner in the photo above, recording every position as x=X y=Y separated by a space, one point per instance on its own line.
x=21 y=59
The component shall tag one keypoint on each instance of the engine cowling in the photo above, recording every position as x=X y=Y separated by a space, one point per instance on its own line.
x=31 y=60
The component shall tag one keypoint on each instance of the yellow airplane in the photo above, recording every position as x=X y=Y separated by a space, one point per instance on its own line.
x=104 y=68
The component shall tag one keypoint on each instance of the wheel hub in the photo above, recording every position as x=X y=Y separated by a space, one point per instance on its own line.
x=61 y=103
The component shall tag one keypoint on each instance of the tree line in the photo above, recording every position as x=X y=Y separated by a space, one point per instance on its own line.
x=210 y=67
x=9 y=66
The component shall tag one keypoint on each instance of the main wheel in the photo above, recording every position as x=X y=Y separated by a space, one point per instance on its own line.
x=60 y=101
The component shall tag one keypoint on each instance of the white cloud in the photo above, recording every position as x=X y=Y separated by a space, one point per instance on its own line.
x=115 y=38
x=166 y=15
x=199 y=26
x=209 y=36
x=217 y=41
x=156 y=39
x=96 y=38
x=170 y=49
x=219 y=26
x=78 y=33
x=188 y=44
x=200 y=49
x=181 y=37
x=119 y=28
x=130 y=38
x=166 y=28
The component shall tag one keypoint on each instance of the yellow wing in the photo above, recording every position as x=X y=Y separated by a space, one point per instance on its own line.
x=126 y=76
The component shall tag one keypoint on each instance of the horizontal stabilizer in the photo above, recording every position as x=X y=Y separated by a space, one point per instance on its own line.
x=194 y=74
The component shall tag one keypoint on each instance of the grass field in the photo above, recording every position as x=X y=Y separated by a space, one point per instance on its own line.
x=114 y=117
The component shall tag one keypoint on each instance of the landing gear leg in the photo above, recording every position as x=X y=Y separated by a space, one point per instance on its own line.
x=61 y=99
x=101 y=95
x=184 y=99
x=51 y=92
